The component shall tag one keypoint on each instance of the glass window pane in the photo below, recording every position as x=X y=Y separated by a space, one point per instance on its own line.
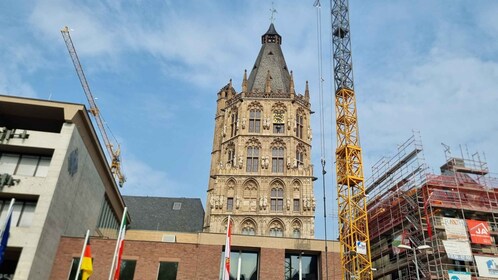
x=27 y=165
x=43 y=165
x=127 y=270
x=167 y=271
x=8 y=163
x=27 y=214
x=16 y=212
x=74 y=269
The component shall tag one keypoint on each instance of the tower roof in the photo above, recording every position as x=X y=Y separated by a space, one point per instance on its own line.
x=270 y=60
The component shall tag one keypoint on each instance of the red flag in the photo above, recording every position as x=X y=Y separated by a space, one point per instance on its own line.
x=228 y=243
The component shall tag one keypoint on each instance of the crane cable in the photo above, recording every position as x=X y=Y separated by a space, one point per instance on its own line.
x=322 y=122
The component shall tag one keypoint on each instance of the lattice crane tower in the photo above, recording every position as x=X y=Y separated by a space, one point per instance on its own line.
x=353 y=225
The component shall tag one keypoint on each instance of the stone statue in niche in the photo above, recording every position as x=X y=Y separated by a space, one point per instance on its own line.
x=288 y=203
x=310 y=134
x=241 y=162
x=289 y=164
x=265 y=203
x=243 y=122
x=224 y=133
x=294 y=164
x=212 y=202
x=237 y=202
x=220 y=165
x=313 y=203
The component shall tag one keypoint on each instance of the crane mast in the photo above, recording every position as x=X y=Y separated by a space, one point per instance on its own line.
x=114 y=153
x=352 y=207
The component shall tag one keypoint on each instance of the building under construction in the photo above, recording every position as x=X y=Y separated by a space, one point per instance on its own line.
x=428 y=226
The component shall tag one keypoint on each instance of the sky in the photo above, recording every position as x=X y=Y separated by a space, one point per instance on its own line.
x=155 y=68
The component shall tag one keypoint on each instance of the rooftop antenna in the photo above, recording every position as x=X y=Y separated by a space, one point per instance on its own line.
x=273 y=11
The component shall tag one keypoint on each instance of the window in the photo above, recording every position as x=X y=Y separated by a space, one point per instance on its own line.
x=299 y=158
x=277 y=160
x=248 y=228
x=74 y=269
x=254 y=121
x=299 y=126
x=248 y=265
x=301 y=266
x=108 y=223
x=296 y=233
x=229 y=203
x=234 y=125
x=252 y=159
x=22 y=213
x=127 y=269
x=296 y=207
x=24 y=165
x=177 y=206
x=167 y=271
x=231 y=158
x=276 y=229
x=277 y=200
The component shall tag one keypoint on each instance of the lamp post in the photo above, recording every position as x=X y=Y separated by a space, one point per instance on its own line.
x=420 y=248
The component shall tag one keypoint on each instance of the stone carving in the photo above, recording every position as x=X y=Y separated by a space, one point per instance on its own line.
x=289 y=164
x=224 y=133
x=243 y=123
x=288 y=203
x=310 y=135
x=241 y=162
x=265 y=162
x=237 y=202
x=313 y=203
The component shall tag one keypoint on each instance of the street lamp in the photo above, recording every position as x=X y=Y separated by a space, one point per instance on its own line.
x=420 y=248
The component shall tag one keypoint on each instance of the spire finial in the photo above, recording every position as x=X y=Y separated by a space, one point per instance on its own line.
x=307 y=91
x=244 y=81
x=273 y=11
x=291 y=86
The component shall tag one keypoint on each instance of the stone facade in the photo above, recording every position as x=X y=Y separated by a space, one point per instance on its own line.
x=261 y=171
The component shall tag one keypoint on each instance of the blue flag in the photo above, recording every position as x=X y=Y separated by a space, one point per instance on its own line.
x=5 y=238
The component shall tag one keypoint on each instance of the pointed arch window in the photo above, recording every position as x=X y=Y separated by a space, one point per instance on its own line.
x=252 y=159
x=299 y=125
x=234 y=125
x=231 y=157
x=277 y=160
x=254 y=120
x=277 y=200
x=299 y=158
x=276 y=229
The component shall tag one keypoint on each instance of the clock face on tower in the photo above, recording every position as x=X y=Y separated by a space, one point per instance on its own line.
x=278 y=118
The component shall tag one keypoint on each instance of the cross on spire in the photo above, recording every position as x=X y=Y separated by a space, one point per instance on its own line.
x=273 y=11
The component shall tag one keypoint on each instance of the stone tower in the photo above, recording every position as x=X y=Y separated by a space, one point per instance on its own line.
x=261 y=172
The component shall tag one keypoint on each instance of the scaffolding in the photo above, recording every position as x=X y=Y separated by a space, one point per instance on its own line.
x=408 y=205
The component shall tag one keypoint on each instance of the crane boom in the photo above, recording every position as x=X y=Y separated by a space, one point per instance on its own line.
x=114 y=153
x=352 y=203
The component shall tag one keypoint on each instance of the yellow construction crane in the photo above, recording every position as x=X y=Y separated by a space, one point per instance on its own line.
x=114 y=153
x=353 y=221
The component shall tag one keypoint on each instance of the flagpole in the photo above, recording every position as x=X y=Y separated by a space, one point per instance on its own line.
x=111 y=274
x=82 y=254
x=226 y=274
x=9 y=212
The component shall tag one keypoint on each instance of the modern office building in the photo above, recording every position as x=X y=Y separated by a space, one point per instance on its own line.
x=261 y=172
x=51 y=162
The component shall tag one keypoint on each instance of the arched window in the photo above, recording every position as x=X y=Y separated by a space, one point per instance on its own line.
x=233 y=125
x=299 y=125
x=248 y=228
x=254 y=120
x=277 y=199
x=277 y=160
x=296 y=233
x=252 y=159
x=299 y=158
x=276 y=229
x=231 y=157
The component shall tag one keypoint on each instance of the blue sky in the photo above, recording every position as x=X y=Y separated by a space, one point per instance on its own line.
x=156 y=66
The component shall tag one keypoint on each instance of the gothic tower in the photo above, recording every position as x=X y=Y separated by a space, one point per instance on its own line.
x=261 y=172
